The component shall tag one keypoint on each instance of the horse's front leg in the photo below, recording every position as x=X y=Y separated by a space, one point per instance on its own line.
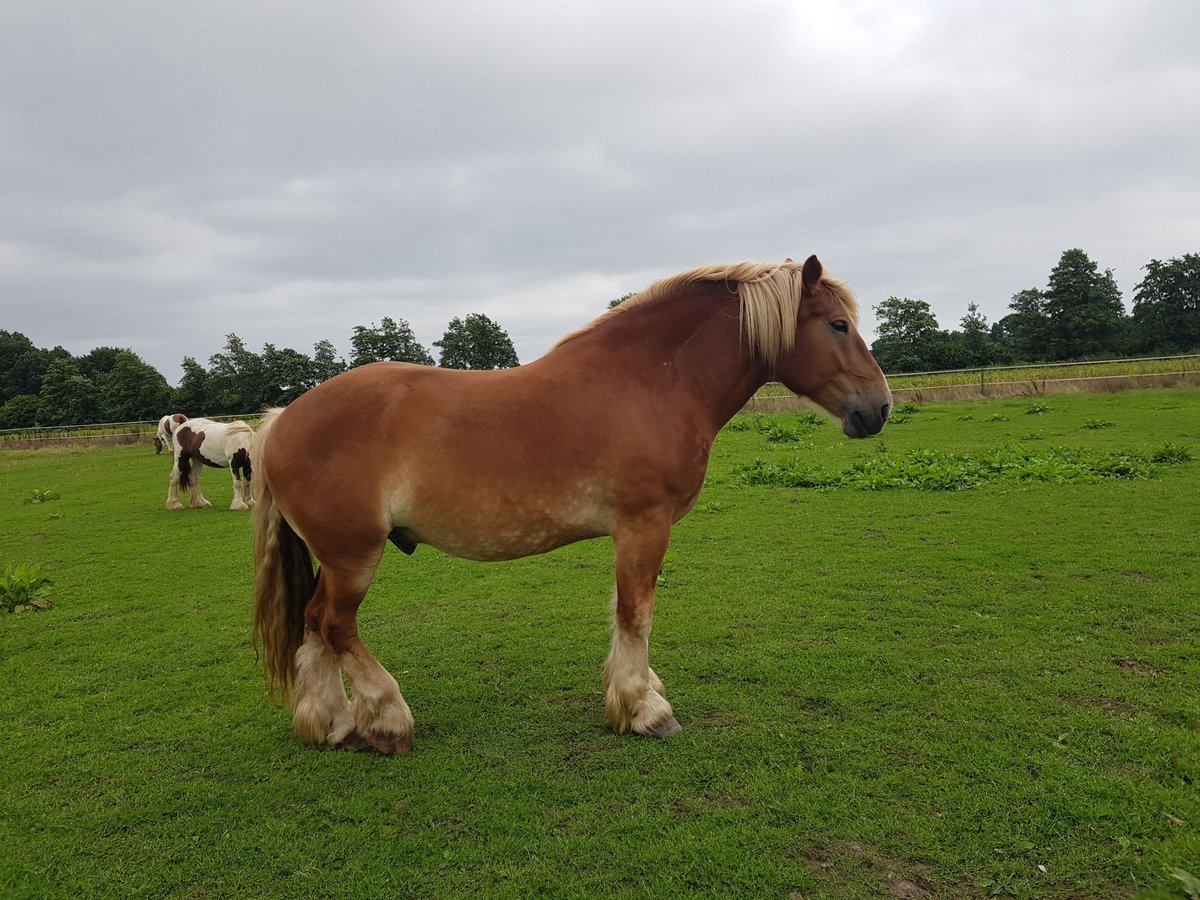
x=634 y=698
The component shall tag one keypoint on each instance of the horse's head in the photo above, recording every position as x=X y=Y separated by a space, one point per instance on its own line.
x=829 y=362
x=166 y=431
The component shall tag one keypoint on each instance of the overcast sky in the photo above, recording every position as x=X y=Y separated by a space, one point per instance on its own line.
x=173 y=172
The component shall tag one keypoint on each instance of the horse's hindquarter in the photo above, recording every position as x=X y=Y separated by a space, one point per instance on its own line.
x=488 y=465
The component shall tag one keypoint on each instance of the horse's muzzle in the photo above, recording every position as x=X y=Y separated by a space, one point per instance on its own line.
x=865 y=421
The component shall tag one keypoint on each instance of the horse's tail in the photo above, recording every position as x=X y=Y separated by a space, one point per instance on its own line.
x=183 y=462
x=283 y=576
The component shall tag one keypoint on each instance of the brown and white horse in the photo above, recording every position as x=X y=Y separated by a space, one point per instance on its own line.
x=166 y=430
x=609 y=433
x=221 y=445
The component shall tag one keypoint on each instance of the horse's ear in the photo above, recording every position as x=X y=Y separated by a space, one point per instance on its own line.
x=811 y=274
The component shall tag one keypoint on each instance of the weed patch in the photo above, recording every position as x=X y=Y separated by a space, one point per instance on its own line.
x=932 y=470
x=21 y=587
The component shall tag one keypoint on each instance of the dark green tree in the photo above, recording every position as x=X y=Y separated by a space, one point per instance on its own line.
x=619 y=300
x=391 y=339
x=326 y=362
x=1084 y=311
x=286 y=374
x=1025 y=329
x=99 y=361
x=67 y=396
x=1166 y=305
x=476 y=342
x=192 y=396
x=908 y=336
x=236 y=379
x=23 y=365
x=131 y=390
x=20 y=411
x=975 y=343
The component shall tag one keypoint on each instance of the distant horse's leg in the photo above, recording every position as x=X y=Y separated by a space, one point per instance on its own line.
x=240 y=493
x=173 y=486
x=380 y=716
x=239 y=468
x=633 y=693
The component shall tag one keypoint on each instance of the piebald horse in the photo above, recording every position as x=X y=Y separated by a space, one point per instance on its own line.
x=221 y=445
x=164 y=437
x=609 y=433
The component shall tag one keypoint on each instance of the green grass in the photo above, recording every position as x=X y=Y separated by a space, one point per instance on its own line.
x=881 y=691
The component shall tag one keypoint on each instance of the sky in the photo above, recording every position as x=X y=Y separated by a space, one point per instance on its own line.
x=171 y=173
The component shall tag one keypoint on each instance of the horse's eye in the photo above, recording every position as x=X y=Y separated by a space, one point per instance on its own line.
x=841 y=325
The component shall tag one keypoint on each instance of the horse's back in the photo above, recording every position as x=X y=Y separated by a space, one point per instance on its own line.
x=482 y=464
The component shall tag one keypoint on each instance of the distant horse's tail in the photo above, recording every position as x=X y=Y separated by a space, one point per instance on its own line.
x=283 y=576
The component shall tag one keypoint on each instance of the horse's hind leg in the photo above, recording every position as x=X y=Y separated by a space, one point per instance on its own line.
x=240 y=492
x=377 y=716
x=634 y=698
x=199 y=501
x=239 y=468
x=173 y=487
x=320 y=709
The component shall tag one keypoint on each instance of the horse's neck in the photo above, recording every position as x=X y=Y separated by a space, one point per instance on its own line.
x=694 y=340
x=714 y=360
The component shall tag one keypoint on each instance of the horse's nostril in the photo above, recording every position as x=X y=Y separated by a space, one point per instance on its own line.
x=884 y=410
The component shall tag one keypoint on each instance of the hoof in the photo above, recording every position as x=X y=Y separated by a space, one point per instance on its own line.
x=667 y=728
x=354 y=742
x=389 y=746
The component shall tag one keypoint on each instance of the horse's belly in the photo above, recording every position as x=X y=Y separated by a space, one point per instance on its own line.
x=491 y=529
x=494 y=545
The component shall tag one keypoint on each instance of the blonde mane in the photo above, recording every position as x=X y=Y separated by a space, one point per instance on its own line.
x=770 y=295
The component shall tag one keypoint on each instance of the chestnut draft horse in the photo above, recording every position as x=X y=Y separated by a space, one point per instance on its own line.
x=221 y=445
x=609 y=433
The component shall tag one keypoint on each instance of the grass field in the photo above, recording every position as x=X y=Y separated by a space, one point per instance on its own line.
x=900 y=692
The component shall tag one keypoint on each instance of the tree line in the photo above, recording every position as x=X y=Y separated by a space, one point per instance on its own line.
x=1078 y=315
x=109 y=384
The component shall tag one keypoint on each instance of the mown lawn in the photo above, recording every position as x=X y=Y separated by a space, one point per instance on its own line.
x=896 y=692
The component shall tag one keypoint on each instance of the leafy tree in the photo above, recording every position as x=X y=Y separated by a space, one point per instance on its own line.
x=1024 y=330
x=326 y=362
x=1166 y=305
x=619 y=300
x=908 y=335
x=67 y=397
x=476 y=343
x=192 y=396
x=23 y=365
x=20 y=411
x=99 y=361
x=1084 y=309
x=236 y=379
x=975 y=342
x=391 y=339
x=131 y=390
x=287 y=374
